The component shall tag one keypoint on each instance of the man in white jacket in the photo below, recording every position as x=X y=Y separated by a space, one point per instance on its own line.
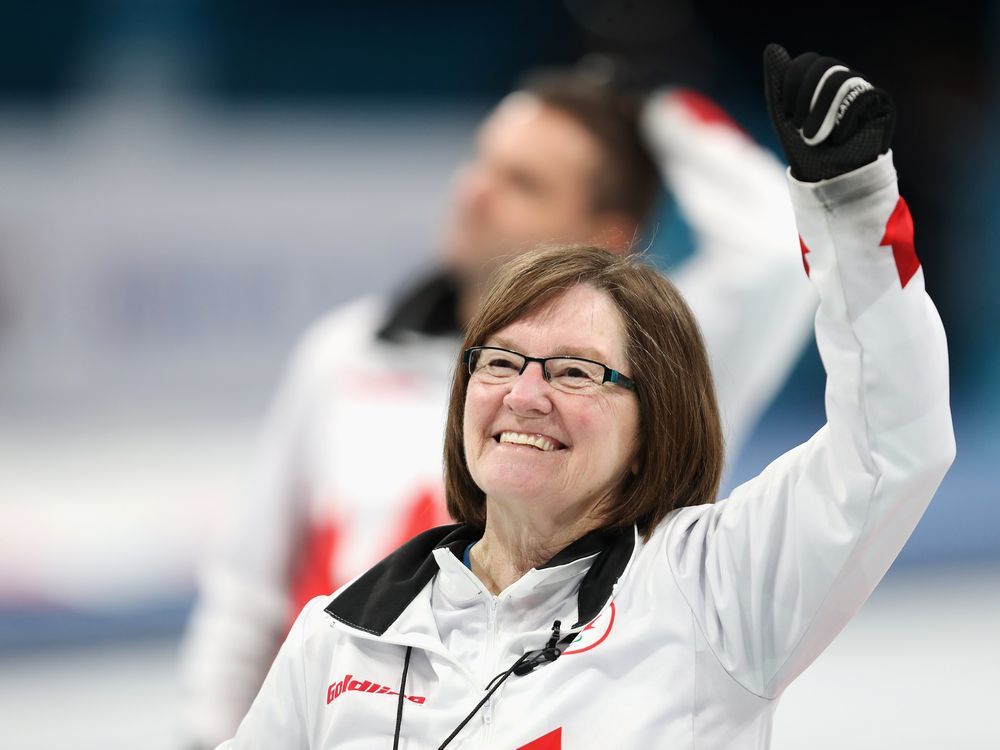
x=685 y=636
x=351 y=456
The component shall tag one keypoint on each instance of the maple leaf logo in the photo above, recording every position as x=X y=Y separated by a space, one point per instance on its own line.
x=899 y=236
x=550 y=741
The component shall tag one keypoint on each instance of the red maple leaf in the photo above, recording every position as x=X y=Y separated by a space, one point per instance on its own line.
x=423 y=510
x=703 y=108
x=899 y=235
x=550 y=741
x=312 y=575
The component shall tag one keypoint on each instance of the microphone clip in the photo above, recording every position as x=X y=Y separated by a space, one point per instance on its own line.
x=534 y=659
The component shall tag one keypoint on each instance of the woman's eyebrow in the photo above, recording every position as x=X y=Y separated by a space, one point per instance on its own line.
x=584 y=352
x=501 y=342
x=570 y=351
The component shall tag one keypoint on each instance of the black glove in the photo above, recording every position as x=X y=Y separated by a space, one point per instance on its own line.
x=829 y=119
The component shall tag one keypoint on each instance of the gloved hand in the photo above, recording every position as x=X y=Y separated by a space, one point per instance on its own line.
x=829 y=119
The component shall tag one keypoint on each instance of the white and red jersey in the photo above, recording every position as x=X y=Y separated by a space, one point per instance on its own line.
x=350 y=463
x=688 y=639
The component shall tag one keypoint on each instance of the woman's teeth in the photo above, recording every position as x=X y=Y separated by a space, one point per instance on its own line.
x=535 y=441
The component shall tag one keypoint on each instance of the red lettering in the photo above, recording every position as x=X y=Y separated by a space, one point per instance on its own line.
x=350 y=684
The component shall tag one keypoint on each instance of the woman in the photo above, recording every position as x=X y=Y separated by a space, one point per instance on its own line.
x=592 y=595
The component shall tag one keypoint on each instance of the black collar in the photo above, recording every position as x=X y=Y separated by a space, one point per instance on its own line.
x=429 y=307
x=376 y=599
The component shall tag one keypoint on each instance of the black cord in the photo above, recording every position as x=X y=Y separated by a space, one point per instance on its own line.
x=496 y=682
x=527 y=663
x=399 y=706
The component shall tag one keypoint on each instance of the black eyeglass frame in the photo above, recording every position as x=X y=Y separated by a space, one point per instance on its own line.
x=610 y=375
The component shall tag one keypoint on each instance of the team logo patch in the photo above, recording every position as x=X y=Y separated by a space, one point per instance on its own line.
x=595 y=633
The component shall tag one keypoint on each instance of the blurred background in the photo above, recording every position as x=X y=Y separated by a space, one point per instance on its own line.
x=186 y=184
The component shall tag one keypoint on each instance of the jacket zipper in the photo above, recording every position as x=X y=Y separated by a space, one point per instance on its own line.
x=491 y=649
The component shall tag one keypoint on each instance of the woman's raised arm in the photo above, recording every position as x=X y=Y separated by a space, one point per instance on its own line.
x=773 y=573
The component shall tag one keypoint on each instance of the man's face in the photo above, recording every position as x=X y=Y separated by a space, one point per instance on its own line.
x=530 y=181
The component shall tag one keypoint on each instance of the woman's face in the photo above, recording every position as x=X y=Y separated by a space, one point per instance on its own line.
x=583 y=443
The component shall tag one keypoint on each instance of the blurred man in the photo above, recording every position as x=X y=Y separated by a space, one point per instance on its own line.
x=350 y=463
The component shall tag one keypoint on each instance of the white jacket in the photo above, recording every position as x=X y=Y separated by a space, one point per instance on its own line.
x=693 y=635
x=350 y=465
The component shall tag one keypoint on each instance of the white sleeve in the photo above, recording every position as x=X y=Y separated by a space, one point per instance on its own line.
x=775 y=572
x=279 y=715
x=745 y=283
x=243 y=607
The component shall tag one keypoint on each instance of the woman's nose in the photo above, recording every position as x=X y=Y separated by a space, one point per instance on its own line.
x=530 y=392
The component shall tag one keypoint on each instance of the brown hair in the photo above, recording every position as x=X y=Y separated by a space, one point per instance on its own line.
x=680 y=447
x=627 y=179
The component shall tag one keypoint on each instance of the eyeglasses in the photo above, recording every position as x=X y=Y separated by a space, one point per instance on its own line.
x=491 y=364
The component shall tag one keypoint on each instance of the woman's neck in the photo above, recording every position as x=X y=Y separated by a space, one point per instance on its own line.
x=510 y=547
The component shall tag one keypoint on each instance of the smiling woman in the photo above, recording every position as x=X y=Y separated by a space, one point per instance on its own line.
x=583 y=454
x=627 y=456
